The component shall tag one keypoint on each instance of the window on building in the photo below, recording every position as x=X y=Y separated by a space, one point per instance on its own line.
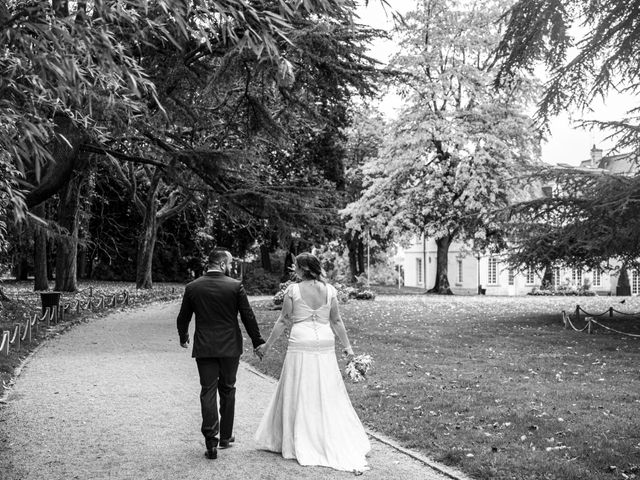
x=512 y=277
x=418 y=271
x=459 y=276
x=597 y=277
x=555 y=279
x=531 y=276
x=492 y=272
x=576 y=276
x=635 y=282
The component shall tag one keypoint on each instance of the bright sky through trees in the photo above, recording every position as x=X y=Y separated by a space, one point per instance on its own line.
x=567 y=143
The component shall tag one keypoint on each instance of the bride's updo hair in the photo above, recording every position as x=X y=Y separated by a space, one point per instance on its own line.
x=310 y=266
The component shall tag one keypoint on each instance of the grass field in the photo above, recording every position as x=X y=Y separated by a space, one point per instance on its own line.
x=495 y=386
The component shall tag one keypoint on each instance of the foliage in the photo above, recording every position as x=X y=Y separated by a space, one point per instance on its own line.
x=452 y=154
x=589 y=48
x=278 y=298
x=499 y=410
x=563 y=290
x=590 y=220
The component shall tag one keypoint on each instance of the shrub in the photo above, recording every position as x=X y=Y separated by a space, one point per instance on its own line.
x=563 y=290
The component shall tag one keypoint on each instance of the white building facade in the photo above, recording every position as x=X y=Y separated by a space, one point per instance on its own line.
x=471 y=274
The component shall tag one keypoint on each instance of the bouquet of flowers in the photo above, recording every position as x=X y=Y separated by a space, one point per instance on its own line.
x=358 y=367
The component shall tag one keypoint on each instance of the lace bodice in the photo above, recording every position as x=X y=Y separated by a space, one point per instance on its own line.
x=303 y=312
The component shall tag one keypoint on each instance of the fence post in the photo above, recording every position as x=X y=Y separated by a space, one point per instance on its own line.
x=577 y=312
x=4 y=344
x=610 y=311
x=589 y=325
x=15 y=341
x=564 y=319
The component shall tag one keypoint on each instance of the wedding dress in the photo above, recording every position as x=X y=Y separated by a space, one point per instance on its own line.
x=310 y=417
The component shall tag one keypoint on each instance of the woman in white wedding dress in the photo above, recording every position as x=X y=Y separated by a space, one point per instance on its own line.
x=310 y=417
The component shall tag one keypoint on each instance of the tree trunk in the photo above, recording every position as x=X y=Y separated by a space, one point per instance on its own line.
x=442 y=286
x=67 y=242
x=289 y=261
x=352 y=245
x=265 y=258
x=146 y=244
x=41 y=276
x=82 y=261
x=547 y=277
x=361 y=255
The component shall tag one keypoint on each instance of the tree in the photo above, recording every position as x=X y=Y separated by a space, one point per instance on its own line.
x=453 y=153
x=94 y=75
x=589 y=221
x=601 y=60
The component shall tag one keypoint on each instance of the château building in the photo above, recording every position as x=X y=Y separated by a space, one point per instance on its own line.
x=470 y=273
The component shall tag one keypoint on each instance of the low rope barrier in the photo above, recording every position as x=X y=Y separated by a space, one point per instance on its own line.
x=591 y=321
x=54 y=315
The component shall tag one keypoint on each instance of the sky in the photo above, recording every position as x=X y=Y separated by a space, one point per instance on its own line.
x=566 y=143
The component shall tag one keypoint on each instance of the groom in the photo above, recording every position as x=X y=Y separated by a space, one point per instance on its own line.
x=216 y=299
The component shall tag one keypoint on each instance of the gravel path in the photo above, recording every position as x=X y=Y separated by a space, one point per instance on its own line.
x=117 y=398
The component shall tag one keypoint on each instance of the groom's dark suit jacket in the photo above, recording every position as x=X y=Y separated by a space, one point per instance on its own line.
x=216 y=300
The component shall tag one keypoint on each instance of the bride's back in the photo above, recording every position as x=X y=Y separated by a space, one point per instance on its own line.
x=313 y=293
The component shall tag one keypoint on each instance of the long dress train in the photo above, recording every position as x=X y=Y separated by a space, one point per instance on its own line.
x=310 y=417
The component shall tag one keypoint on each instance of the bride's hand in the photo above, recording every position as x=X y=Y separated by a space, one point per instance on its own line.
x=349 y=352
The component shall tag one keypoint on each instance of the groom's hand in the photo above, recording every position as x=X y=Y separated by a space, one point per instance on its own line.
x=259 y=351
x=185 y=344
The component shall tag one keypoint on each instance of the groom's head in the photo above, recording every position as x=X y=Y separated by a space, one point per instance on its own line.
x=221 y=259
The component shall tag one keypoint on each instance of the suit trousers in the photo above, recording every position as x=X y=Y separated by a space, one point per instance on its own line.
x=217 y=375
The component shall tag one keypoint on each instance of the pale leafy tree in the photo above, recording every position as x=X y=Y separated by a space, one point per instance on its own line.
x=457 y=146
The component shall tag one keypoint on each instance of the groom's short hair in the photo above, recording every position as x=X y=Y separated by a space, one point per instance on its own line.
x=218 y=255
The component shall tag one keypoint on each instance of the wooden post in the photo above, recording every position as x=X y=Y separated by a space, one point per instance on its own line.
x=610 y=311
x=577 y=312
x=589 y=325
x=15 y=341
x=564 y=319
x=4 y=343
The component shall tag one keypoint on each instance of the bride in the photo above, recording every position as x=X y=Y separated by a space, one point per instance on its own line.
x=310 y=417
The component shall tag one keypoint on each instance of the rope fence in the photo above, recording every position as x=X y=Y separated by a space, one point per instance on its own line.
x=591 y=322
x=26 y=332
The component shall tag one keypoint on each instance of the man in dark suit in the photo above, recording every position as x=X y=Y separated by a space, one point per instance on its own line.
x=216 y=299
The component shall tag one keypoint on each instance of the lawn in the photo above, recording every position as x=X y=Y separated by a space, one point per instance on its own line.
x=495 y=386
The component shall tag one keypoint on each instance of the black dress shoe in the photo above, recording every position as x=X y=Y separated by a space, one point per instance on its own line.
x=224 y=442
x=211 y=453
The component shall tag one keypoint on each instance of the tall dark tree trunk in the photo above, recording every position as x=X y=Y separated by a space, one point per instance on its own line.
x=67 y=242
x=289 y=261
x=361 y=256
x=41 y=276
x=442 y=286
x=265 y=258
x=21 y=268
x=353 y=241
x=547 y=277
x=147 y=243
x=82 y=261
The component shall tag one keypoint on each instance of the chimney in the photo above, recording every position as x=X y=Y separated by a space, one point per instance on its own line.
x=596 y=156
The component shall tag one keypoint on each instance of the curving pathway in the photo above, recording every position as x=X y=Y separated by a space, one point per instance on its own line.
x=117 y=398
